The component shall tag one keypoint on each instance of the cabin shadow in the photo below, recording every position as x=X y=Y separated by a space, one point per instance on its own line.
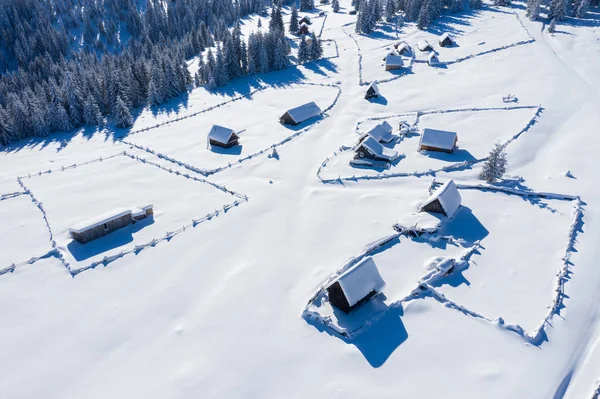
x=458 y=155
x=379 y=100
x=235 y=150
x=383 y=337
x=464 y=225
x=108 y=242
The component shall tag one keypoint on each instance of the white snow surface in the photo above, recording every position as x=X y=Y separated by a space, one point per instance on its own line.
x=360 y=280
x=216 y=311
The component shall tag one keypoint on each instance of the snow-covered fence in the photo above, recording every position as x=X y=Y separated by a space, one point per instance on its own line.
x=323 y=25
x=72 y=166
x=431 y=172
x=30 y=261
x=4 y=197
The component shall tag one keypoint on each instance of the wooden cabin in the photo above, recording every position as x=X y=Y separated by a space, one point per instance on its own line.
x=369 y=148
x=305 y=20
x=445 y=200
x=303 y=30
x=446 y=40
x=372 y=91
x=433 y=59
x=423 y=45
x=299 y=114
x=393 y=62
x=382 y=133
x=402 y=48
x=108 y=222
x=222 y=137
x=438 y=140
x=355 y=286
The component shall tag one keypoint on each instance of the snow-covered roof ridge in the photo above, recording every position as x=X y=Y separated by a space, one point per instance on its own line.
x=392 y=59
x=360 y=280
x=448 y=197
x=445 y=36
x=377 y=149
x=423 y=45
x=220 y=134
x=98 y=220
x=382 y=132
x=304 y=112
x=374 y=86
x=438 y=138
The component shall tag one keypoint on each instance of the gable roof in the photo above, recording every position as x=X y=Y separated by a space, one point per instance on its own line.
x=448 y=196
x=401 y=46
x=360 y=280
x=304 y=112
x=394 y=60
x=423 y=45
x=305 y=18
x=438 y=139
x=220 y=134
x=375 y=88
x=377 y=149
x=381 y=132
x=432 y=58
x=445 y=36
x=99 y=220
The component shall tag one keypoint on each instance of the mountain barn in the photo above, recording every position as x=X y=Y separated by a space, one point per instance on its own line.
x=303 y=30
x=222 y=137
x=433 y=59
x=423 y=45
x=299 y=114
x=446 y=40
x=382 y=133
x=372 y=91
x=402 y=48
x=445 y=200
x=393 y=62
x=355 y=286
x=438 y=140
x=370 y=148
x=101 y=225
x=305 y=20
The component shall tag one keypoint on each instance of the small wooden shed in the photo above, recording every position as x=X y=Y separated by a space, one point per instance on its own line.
x=356 y=286
x=299 y=114
x=372 y=91
x=222 y=137
x=402 y=48
x=438 y=140
x=446 y=40
x=393 y=62
x=423 y=45
x=370 y=148
x=445 y=200
x=304 y=29
x=433 y=59
x=101 y=225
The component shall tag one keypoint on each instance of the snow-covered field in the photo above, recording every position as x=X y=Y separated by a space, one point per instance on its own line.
x=217 y=310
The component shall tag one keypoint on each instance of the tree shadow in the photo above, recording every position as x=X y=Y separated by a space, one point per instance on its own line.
x=112 y=240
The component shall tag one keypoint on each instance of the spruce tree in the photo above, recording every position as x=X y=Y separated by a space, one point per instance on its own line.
x=533 y=9
x=390 y=10
x=91 y=112
x=335 y=5
x=475 y=4
x=122 y=114
x=582 y=8
x=264 y=58
x=495 y=165
x=303 y=51
x=557 y=10
x=293 y=27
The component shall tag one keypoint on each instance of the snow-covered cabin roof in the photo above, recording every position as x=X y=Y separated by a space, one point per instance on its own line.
x=401 y=46
x=445 y=36
x=220 y=134
x=140 y=210
x=304 y=112
x=360 y=280
x=303 y=24
x=423 y=45
x=448 y=196
x=441 y=139
x=99 y=220
x=375 y=88
x=394 y=60
x=378 y=150
x=432 y=58
x=382 y=132
x=393 y=53
x=306 y=18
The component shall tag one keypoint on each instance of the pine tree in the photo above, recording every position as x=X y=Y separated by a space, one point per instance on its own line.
x=280 y=60
x=582 y=8
x=155 y=96
x=390 y=10
x=552 y=26
x=122 y=114
x=316 y=48
x=475 y=4
x=425 y=15
x=293 y=27
x=533 y=9
x=495 y=165
x=557 y=10
x=264 y=58
x=6 y=134
x=335 y=5
x=91 y=112
x=303 y=51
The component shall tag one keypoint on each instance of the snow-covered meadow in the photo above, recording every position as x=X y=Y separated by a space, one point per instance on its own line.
x=218 y=310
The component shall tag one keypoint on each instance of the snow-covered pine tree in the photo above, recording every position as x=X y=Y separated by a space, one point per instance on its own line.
x=74 y=101
x=280 y=60
x=91 y=112
x=390 y=10
x=59 y=119
x=533 y=9
x=316 y=47
x=557 y=10
x=505 y=3
x=552 y=26
x=495 y=165
x=425 y=15
x=335 y=5
x=122 y=114
x=264 y=58
x=475 y=4
x=201 y=74
x=244 y=58
x=582 y=8
x=6 y=134
x=155 y=96
x=303 y=51
x=293 y=27
x=220 y=74
x=376 y=12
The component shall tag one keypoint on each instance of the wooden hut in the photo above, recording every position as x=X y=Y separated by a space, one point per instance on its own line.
x=355 y=286
x=433 y=59
x=446 y=40
x=303 y=30
x=393 y=62
x=101 y=225
x=445 y=200
x=402 y=48
x=222 y=137
x=372 y=91
x=305 y=20
x=438 y=140
x=382 y=133
x=371 y=149
x=390 y=53
x=423 y=45
x=299 y=114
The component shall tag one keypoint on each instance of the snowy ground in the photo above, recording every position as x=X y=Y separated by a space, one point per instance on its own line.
x=217 y=311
